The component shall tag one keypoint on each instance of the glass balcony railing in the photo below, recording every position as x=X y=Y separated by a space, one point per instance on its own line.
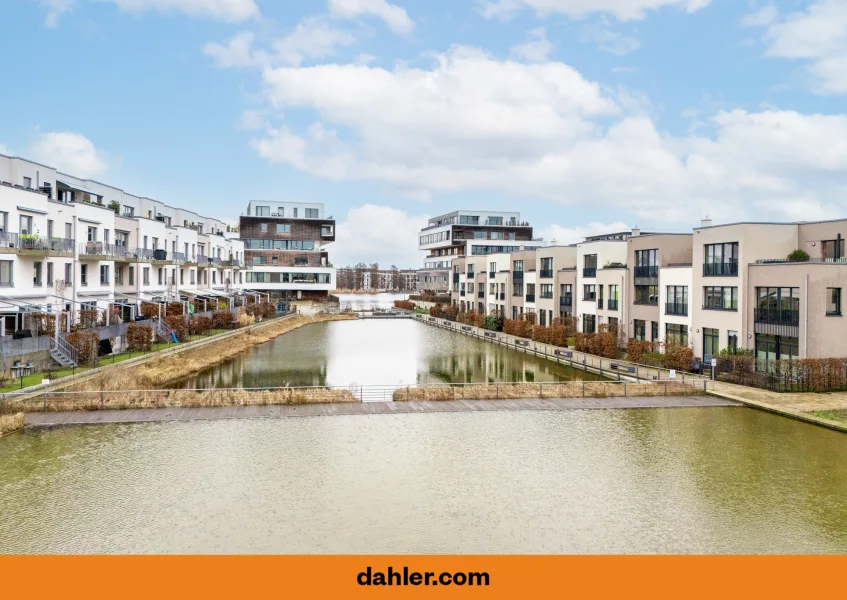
x=545 y=273
x=530 y=297
x=613 y=305
x=676 y=308
x=589 y=272
x=721 y=269
x=777 y=316
x=647 y=271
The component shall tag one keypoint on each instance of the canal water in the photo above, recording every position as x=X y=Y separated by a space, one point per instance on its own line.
x=695 y=480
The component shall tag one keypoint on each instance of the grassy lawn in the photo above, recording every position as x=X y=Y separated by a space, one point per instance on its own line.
x=35 y=379
x=839 y=416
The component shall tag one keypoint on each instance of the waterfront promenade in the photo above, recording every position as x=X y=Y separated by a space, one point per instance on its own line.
x=100 y=417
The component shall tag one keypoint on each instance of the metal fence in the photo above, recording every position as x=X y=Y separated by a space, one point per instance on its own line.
x=50 y=401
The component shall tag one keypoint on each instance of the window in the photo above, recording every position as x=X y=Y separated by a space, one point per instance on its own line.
x=546 y=290
x=263 y=211
x=639 y=330
x=530 y=292
x=676 y=300
x=470 y=270
x=83 y=275
x=720 y=298
x=214 y=277
x=161 y=275
x=283 y=228
x=468 y=220
x=647 y=263
x=565 y=293
x=104 y=274
x=832 y=250
x=6 y=273
x=260 y=260
x=36 y=274
x=181 y=277
x=613 y=297
x=654 y=331
x=280 y=211
x=312 y=213
x=27 y=182
x=776 y=347
x=119 y=275
x=431 y=238
x=50 y=228
x=129 y=211
x=131 y=275
x=92 y=234
x=492 y=269
x=833 y=301
x=495 y=220
x=676 y=334
x=470 y=287
x=600 y=296
x=711 y=342
x=274 y=260
x=49 y=273
x=647 y=294
x=589 y=292
x=145 y=242
x=779 y=306
x=300 y=261
x=517 y=289
x=546 y=267
x=264 y=227
x=518 y=266
x=721 y=259
x=68 y=231
x=589 y=323
x=68 y=273
x=155 y=243
x=492 y=289
x=26 y=224
x=146 y=276
x=191 y=276
x=589 y=265
x=106 y=237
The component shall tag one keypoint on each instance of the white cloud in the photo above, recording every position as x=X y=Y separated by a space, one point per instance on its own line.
x=536 y=49
x=372 y=233
x=312 y=38
x=252 y=120
x=622 y=10
x=69 y=152
x=55 y=9
x=817 y=35
x=395 y=17
x=563 y=236
x=231 y=11
x=472 y=123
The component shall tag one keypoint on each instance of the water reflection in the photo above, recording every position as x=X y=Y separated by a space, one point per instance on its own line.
x=378 y=352
x=369 y=301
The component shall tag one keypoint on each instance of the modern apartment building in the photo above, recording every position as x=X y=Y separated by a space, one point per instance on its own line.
x=468 y=233
x=284 y=244
x=68 y=244
x=556 y=275
x=601 y=281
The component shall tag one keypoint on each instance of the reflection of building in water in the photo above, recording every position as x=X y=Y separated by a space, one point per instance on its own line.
x=497 y=364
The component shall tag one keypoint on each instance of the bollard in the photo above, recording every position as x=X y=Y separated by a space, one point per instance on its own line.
x=540 y=390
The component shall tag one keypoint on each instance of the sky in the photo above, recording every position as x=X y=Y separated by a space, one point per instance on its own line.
x=584 y=115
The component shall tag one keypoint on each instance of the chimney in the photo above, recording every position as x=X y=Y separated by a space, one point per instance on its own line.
x=635 y=232
x=707 y=222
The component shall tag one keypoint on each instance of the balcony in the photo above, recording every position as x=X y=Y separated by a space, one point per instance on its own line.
x=676 y=308
x=589 y=272
x=546 y=273
x=34 y=245
x=724 y=269
x=178 y=257
x=101 y=251
x=775 y=321
x=530 y=297
x=234 y=262
x=647 y=271
x=202 y=259
x=613 y=305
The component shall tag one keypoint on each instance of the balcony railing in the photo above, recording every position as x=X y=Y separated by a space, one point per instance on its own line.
x=491 y=274
x=216 y=260
x=530 y=297
x=776 y=316
x=35 y=242
x=566 y=301
x=676 y=308
x=502 y=295
x=647 y=271
x=590 y=298
x=613 y=305
x=455 y=279
x=234 y=262
x=202 y=259
x=462 y=293
x=589 y=272
x=480 y=294
x=517 y=276
x=722 y=269
x=178 y=256
x=600 y=303
x=545 y=273
x=101 y=249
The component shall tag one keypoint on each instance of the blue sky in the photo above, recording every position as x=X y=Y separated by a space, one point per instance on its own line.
x=584 y=115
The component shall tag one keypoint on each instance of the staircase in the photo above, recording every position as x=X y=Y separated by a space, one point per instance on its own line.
x=161 y=329
x=62 y=352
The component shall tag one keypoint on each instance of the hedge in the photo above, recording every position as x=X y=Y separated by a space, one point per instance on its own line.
x=87 y=345
x=139 y=338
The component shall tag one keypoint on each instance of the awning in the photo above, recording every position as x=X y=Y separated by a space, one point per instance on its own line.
x=77 y=188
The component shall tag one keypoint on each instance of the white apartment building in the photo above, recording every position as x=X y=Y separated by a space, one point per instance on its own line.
x=600 y=277
x=68 y=244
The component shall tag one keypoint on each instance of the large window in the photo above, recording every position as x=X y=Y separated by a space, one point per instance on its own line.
x=546 y=267
x=530 y=292
x=589 y=267
x=83 y=275
x=312 y=213
x=613 y=297
x=833 y=250
x=589 y=323
x=36 y=276
x=647 y=294
x=470 y=270
x=677 y=300
x=676 y=334
x=283 y=228
x=518 y=264
x=654 y=331
x=263 y=211
x=589 y=292
x=546 y=290
x=777 y=305
x=647 y=263
x=432 y=238
x=721 y=259
x=308 y=278
x=468 y=220
x=775 y=347
x=833 y=301
x=720 y=298
x=517 y=289
x=495 y=221
x=104 y=274
x=565 y=294
x=711 y=342
x=253 y=244
x=639 y=330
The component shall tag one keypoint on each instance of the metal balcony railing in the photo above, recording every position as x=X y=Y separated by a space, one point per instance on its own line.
x=101 y=249
x=589 y=272
x=462 y=293
x=613 y=305
x=35 y=242
x=721 y=269
x=566 y=301
x=491 y=274
x=178 y=256
x=502 y=295
x=545 y=273
x=776 y=316
x=480 y=294
x=647 y=271
x=530 y=297
x=676 y=308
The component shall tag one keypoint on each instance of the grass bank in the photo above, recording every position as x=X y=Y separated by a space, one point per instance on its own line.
x=161 y=371
x=570 y=389
x=10 y=423
x=838 y=416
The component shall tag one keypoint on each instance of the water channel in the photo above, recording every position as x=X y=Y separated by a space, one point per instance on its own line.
x=695 y=480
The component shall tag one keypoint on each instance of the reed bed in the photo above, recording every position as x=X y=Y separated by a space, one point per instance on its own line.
x=568 y=389
x=10 y=423
x=161 y=371
x=121 y=400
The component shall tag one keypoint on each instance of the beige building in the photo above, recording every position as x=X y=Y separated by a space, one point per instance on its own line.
x=556 y=278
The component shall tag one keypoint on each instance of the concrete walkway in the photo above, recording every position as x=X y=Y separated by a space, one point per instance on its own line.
x=795 y=405
x=53 y=419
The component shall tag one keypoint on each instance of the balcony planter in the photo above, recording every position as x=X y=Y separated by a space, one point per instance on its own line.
x=798 y=256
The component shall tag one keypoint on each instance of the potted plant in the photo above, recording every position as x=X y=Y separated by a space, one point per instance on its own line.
x=798 y=255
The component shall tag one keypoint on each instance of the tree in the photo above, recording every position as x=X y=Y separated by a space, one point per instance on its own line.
x=394 y=283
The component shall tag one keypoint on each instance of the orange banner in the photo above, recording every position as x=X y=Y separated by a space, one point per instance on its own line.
x=421 y=576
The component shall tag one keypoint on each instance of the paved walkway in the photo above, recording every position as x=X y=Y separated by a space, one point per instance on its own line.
x=52 y=419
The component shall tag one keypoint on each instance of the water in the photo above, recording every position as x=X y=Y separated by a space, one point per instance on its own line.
x=701 y=480
x=389 y=352
x=369 y=301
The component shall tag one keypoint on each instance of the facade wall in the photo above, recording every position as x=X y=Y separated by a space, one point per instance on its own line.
x=674 y=276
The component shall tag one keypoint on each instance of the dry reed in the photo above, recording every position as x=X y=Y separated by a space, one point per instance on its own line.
x=569 y=389
x=161 y=371
x=10 y=423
